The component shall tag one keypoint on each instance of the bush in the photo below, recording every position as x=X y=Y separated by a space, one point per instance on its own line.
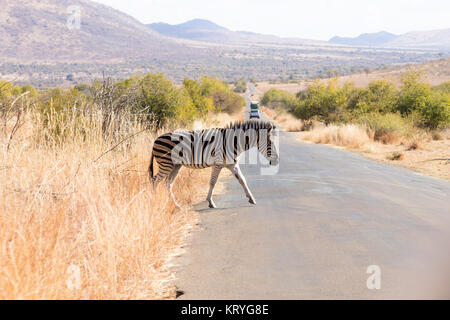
x=151 y=99
x=433 y=106
x=275 y=98
x=428 y=107
x=240 y=86
x=387 y=128
x=161 y=101
x=436 y=112
x=381 y=97
x=223 y=98
x=202 y=103
x=327 y=103
x=61 y=112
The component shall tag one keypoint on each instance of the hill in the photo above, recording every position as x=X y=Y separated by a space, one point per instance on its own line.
x=197 y=29
x=366 y=39
x=436 y=39
x=208 y=31
x=38 y=48
x=37 y=31
x=434 y=72
x=423 y=39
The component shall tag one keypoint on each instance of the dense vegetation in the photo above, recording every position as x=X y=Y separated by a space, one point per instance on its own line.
x=414 y=104
x=75 y=196
x=151 y=99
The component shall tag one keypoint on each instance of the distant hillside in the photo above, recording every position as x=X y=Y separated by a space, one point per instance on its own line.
x=37 y=30
x=366 y=39
x=195 y=29
x=204 y=30
x=37 y=47
x=434 y=39
x=434 y=72
x=423 y=39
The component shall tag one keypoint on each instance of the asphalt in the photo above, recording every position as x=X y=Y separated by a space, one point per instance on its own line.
x=318 y=225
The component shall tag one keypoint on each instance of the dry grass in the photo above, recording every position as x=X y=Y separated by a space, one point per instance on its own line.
x=284 y=119
x=63 y=214
x=223 y=119
x=421 y=153
x=353 y=136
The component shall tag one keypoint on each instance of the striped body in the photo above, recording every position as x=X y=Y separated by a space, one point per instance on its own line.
x=218 y=148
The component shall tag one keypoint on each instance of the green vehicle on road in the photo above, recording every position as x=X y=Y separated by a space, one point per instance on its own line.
x=254 y=105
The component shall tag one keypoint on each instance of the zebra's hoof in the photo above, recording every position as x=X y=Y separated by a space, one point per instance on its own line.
x=252 y=201
x=212 y=205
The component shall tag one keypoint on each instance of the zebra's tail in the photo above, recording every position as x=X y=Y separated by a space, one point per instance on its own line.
x=150 y=169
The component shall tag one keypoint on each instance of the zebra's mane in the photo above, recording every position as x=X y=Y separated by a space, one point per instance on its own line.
x=251 y=124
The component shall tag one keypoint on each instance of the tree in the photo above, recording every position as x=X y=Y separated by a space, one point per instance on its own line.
x=160 y=100
x=223 y=98
x=240 y=86
x=327 y=103
x=202 y=103
x=275 y=98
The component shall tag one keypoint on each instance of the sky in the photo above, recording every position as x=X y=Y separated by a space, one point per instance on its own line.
x=311 y=19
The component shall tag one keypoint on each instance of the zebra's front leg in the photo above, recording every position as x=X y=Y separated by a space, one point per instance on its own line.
x=236 y=170
x=212 y=183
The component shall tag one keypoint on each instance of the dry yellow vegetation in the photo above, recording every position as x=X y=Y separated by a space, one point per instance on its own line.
x=428 y=154
x=286 y=120
x=79 y=220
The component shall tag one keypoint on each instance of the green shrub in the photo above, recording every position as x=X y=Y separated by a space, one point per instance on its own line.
x=417 y=97
x=416 y=101
x=327 y=103
x=381 y=96
x=386 y=127
x=161 y=101
x=224 y=99
x=436 y=112
x=275 y=99
x=202 y=103
x=240 y=86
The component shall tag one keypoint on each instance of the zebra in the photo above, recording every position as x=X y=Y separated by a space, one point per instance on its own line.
x=217 y=147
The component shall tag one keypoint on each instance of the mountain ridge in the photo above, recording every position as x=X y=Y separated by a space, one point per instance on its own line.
x=366 y=39
x=439 y=38
x=208 y=31
x=38 y=31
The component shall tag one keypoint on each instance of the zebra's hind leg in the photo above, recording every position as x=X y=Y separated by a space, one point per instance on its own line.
x=212 y=183
x=170 y=180
x=156 y=180
x=236 y=170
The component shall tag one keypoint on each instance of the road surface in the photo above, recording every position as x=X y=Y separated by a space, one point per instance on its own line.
x=318 y=225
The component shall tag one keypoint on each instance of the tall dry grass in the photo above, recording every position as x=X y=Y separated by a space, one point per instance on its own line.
x=349 y=135
x=284 y=119
x=74 y=225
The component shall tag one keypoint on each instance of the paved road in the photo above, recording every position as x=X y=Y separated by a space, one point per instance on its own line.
x=319 y=224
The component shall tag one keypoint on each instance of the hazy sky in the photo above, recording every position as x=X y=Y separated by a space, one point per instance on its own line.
x=314 y=19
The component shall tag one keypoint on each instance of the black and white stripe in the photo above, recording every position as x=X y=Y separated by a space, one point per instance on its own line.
x=218 y=148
